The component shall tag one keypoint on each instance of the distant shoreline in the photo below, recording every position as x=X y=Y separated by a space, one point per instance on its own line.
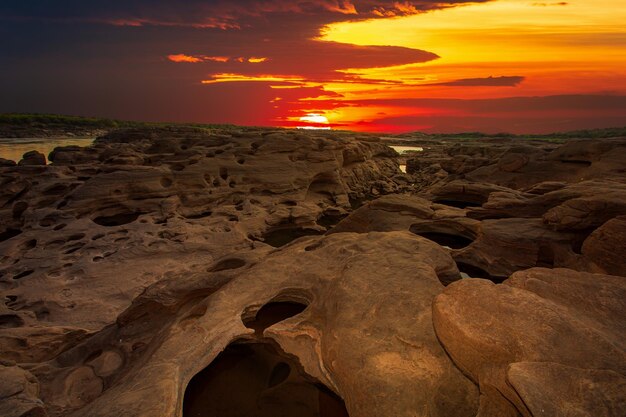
x=30 y=125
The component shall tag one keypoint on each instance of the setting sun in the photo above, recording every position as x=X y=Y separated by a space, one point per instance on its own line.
x=314 y=121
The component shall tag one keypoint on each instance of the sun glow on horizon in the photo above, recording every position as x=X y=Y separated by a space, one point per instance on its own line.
x=315 y=121
x=489 y=50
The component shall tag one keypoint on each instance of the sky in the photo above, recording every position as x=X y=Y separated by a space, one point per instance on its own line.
x=518 y=66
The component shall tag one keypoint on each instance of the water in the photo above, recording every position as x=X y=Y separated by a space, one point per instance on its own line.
x=404 y=149
x=14 y=148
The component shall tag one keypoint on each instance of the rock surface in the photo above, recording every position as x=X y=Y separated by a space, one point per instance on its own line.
x=549 y=341
x=181 y=272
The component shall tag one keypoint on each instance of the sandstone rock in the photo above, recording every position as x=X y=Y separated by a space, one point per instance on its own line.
x=171 y=271
x=363 y=330
x=6 y=163
x=566 y=324
x=33 y=158
x=606 y=246
x=19 y=392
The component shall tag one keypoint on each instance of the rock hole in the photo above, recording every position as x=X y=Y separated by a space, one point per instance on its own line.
x=226 y=264
x=272 y=313
x=201 y=215
x=330 y=220
x=23 y=274
x=77 y=236
x=279 y=374
x=47 y=222
x=31 y=244
x=42 y=313
x=545 y=257
x=223 y=173
x=281 y=237
x=10 y=321
x=579 y=240
x=236 y=384
x=462 y=204
x=9 y=233
x=446 y=240
x=59 y=227
x=577 y=162
x=241 y=161
x=19 y=208
x=314 y=246
x=116 y=219
x=472 y=271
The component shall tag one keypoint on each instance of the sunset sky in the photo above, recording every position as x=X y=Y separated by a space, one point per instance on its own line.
x=519 y=66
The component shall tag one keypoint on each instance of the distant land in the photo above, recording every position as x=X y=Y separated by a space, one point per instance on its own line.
x=35 y=125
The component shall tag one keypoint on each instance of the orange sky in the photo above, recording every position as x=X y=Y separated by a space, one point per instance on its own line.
x=521 y=66
x=505 y=48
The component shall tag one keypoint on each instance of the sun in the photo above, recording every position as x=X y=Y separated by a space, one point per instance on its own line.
x=316 y=121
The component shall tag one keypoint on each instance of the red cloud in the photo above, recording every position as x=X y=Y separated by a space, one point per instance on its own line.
x=184 y=58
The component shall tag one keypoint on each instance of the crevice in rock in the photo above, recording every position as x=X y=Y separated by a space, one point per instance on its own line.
x=23 y=274
x=197 y=216
x=9 y=321
x=226 y=264
x=258 y=379
x=471 y=271
x=117 y=219
x=545 y=257
x=9 y=233
x=577 y=162
x=445 y=234
x=281 y=236
x=458 y=203
x=579 y=240
x=272 y=313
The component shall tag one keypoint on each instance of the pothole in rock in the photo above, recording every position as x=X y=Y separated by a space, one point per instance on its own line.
x=330 y=220
x=272 y=313
x=574 y=162
x=472 y=271
x=9 y=233
x=8 y=321
x=444 y=234
x=226 y=264
x=257 y=379
x=282 y=236
x=117 y=219
x=458 y=203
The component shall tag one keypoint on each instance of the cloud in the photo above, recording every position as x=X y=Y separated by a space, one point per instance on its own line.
x=560 y=3
x=217 y=14
x=484 y=82
x=184 y=58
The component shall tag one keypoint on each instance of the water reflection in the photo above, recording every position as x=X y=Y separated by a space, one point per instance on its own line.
x=405 y=149
x=14 y=148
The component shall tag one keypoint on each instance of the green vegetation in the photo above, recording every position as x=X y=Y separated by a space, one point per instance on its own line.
x=26 y=124
x=33 y=124
x=610 y=132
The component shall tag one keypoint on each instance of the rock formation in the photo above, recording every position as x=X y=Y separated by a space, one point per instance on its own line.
x=190 y=272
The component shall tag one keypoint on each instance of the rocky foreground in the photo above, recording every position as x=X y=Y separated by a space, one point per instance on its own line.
x=190 y=272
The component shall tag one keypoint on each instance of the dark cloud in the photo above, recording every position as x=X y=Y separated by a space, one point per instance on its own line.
x=210 y=13
x=484 y=82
